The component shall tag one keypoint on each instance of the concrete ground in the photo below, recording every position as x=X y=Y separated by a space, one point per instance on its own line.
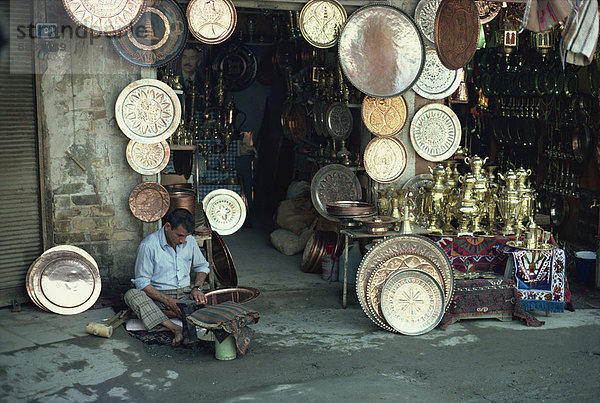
x=306 y=348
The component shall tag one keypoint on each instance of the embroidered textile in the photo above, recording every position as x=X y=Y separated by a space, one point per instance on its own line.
x=474 y=253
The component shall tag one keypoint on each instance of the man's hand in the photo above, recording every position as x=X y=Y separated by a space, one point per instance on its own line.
x=172 y=304
x=198 y=296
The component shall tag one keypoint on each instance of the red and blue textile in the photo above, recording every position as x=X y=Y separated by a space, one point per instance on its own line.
x=474 y=253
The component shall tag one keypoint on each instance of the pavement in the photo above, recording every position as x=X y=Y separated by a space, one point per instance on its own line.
x=306 y=348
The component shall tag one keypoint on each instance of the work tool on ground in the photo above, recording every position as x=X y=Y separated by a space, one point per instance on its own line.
x=106 y=329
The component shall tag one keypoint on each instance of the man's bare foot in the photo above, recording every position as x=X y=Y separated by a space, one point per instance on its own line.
x=177 y=332
x=178 y=339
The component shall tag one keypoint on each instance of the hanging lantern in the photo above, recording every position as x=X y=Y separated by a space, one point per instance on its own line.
x=507 y=35
x=543 y=42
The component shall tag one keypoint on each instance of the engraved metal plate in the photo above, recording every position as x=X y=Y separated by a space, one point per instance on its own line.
x=384 y=116
x=436 y=81
x=225 y=210
x=425 y=18
x=398 y=246
x=333 y=182
x=338 y=120
x=148 y=111
x=381 y=51
x=412 y=302
x=435 y=132
x=238 y=65
x=456 y=32
x=385 y=159
x=212 y=21
x=321 y=21
x=159 y=36
x=487 y=10
x=108 y=17
x=149 y=201
x=148 y=159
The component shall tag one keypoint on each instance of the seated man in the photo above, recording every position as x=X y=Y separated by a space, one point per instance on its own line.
x=162 y=274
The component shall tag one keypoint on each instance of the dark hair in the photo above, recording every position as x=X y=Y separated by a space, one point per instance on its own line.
x=181 y=217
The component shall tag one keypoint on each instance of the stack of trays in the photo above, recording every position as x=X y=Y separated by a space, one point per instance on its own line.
x=405 y=284
x=65 y=280
x=315 y=250
x=350 y=209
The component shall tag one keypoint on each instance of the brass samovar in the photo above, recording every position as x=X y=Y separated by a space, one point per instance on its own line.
x=527 y=195
x=468 y=208
x=435 y=201
x=509 y=202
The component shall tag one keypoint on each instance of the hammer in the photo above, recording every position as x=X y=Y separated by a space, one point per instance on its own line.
x=106 y=329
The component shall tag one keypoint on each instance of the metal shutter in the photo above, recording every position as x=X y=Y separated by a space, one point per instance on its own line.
x=20 y=222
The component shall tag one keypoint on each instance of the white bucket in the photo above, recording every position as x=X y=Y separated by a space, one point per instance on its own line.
x=225 y=350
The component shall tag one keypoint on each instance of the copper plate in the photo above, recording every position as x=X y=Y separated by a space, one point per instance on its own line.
x=436 y=81
x=456 y=32
x=332 y=183
x=159 y=36
x=425 y=13
x=148 y=159
x=225 y=210
x=381 y=51
x=384 y=116
x=435 y=132
x=148 y=111
x=65 y=283
x=223 y=263
x=149 y=201
x=297 y=122
x=212 y=21
x=398 y=246
x=385 y=159
x=321 y=21
x=105 y=17
x=412 y=302
x=236 y=294
x=338 y=120
x=488 y=10
x=238 y=65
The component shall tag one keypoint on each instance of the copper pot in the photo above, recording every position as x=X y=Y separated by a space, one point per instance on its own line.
x=184 y=199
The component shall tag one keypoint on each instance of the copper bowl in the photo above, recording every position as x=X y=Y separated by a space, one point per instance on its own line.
x=376 y=224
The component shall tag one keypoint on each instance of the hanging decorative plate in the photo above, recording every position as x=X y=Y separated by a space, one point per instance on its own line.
x=384 y=116
x=225 y=210
x=412 y=302
x=64 y=282
x=435 y=132
x=436 y=81
x=381 y=51
x=148 y=111
x=333 y=182
x=338 y=120
x=487 y=10
x=385 y=159
x=149 y=201
x=456 y=32
x=212 y=21
x=321 y=22
x=159 y=36
x=104 y=17
x=148 y=159
x=238 y=65
x=425 y=18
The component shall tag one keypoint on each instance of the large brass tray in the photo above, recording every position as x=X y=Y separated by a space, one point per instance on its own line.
x=148 y=111
x=435 y=132
x=105 y=17
x=456 y=32
x=333 y=182
x=384 y=116
x=148 y=159
x=159 y=36
x=381 y=51
x=212 y=21
x=225 y=210
x=321 y=21
x=149 y=201
x=412 y=302
x=385 y=159
x=436 y=81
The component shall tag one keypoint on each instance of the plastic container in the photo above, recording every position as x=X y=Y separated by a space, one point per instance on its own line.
x=585 y=266
x=225 y=350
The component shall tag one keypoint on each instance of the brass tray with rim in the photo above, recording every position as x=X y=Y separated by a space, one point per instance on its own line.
x=435 y=132
x=321 y=21
x=333 y=182
x=399 y=245
x=225 y=210
x=239 y=294
x=211 y=21
x=385 y=159
x=148 y=159
x=381 y=51
x=106 y=17
x=338 y=120
x=456 y=32
x=425 y=13
x=436 y=81
x=149 y=201
x=384 y=116
x=148 y=111
x=223 y=262
x=158 y=37
x=412 y=302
